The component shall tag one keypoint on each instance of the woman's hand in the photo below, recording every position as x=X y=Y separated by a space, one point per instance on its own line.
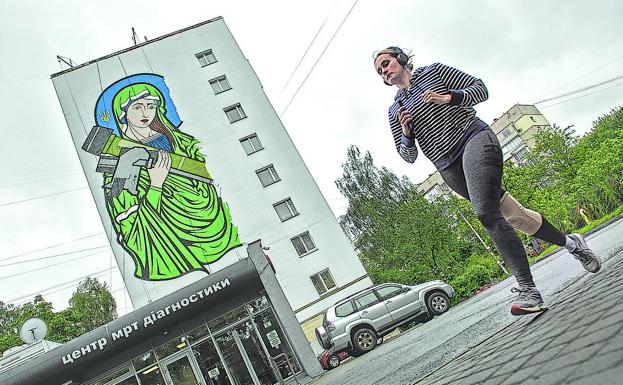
x=405 y=119
x=433 y=97
x=158 y=173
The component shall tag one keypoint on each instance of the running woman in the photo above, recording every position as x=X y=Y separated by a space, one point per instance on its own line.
x=434 y=105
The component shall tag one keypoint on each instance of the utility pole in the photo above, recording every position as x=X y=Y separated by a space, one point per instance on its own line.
x=495 y=258
x=458 y=211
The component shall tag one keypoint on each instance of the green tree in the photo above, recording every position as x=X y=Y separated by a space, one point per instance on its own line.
x=400 y=236
x=567 y=176
x=90 y=306
x=598 y=184
x=12 y=317
x=540 y=185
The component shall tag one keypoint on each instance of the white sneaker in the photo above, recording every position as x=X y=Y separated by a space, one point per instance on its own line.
x=584 y=254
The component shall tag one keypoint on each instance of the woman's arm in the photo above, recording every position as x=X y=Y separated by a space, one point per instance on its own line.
x=466 y=90
x=403 y=139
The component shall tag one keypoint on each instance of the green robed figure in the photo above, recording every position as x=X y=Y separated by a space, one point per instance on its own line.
x=175 y=224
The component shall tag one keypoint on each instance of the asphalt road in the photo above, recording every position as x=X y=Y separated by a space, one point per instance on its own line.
x=422 y=349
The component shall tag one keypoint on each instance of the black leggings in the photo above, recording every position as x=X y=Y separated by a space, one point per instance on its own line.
x=477 y=176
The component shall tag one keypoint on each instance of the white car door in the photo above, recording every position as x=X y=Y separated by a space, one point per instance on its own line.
x=372 y=310
x=401 y=301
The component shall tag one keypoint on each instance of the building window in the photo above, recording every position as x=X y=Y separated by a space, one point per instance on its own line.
x=366 y=300
x=234 y=113
x=435 y=192
x=206 y=57
x=251 y=144
x=513 y=144
x=521 y=154
x=303 y=244
x=505 y=133
x=285 y=209
x=345 y=309
x=220 y=84
x=267 y=175
x=323 y=281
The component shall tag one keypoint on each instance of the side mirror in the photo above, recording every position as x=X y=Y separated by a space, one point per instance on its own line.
x=406 y=289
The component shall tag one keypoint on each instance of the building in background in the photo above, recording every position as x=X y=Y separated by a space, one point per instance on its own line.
x=515 y=130
x=188 y=163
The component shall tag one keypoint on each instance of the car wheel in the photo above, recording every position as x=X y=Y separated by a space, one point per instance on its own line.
x=364 y=340
x=334 y=362
x=438 y=303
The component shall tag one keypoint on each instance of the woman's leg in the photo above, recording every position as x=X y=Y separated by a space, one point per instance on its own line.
x=482 y=165
x=481 y=183
x=523 y=219
x=532 y=223
x=528 y=221
x=454 y=177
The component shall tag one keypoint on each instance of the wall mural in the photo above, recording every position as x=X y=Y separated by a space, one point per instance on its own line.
x=159 y=195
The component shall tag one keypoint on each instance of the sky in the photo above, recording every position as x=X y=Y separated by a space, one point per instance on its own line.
x=525 y=51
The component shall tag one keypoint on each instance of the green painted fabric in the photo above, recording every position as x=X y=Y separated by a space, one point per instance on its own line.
x=177 y=229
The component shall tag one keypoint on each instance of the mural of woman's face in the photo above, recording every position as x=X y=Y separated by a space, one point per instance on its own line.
x=141 y=112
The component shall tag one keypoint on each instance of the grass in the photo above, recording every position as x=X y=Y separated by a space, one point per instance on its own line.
x=581 y=230
x=458 y=299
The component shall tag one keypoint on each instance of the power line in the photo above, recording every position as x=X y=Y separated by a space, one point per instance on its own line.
x=585 y=75
x=307 y=50
x=580 y=89
x=49 y=167
x=51 y=246
x=319 y=57
x=45 y=267
x=41 y=197
x=65 y=286
x=22 y=78
x=60 y=286
x=53 y=256
x=581 y=96
x=39 y=178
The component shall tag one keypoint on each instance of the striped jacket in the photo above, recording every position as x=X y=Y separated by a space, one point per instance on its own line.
x=437 y=127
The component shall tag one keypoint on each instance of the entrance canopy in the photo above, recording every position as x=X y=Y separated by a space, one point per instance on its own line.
x=70 y=362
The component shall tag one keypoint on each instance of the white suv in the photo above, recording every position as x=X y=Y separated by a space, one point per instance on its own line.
x=357 y=322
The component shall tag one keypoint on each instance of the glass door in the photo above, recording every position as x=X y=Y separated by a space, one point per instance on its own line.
x=214 y=373
x=251 y=346
x=236 y=365
x=179 y=371
x=276 y=344
x=244 y=357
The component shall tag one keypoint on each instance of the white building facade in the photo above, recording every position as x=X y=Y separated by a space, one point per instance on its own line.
x=212 y=95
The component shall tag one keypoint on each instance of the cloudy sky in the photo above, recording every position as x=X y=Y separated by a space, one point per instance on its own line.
x=525 y=51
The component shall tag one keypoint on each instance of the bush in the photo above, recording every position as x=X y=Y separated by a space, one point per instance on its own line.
x=474 y=276
x=485 y=260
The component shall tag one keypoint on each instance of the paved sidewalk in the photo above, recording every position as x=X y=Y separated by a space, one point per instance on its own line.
x=578 y=341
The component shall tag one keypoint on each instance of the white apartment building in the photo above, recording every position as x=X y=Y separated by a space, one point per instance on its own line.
x=515 y=130
x=193 y=95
